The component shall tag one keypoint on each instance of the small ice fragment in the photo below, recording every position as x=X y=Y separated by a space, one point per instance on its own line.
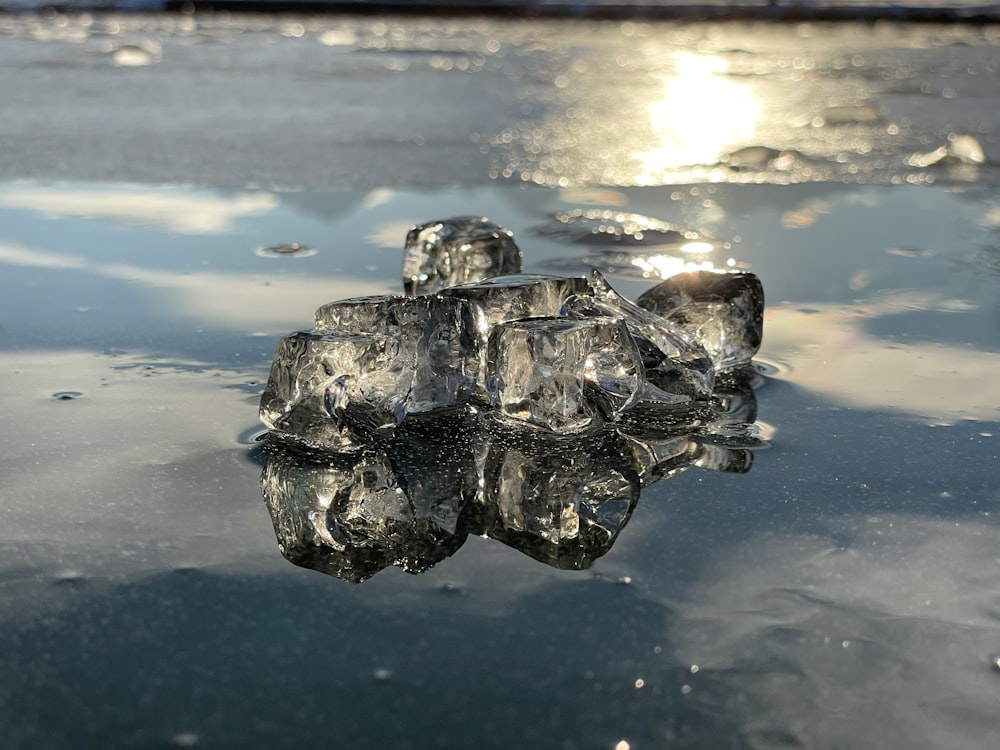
x=724 y=312
x=286 y=250
x=959 y=150
x=751 y=157
x=848 y=114
x=965 y=149
x=459 y=250
x=559 y=373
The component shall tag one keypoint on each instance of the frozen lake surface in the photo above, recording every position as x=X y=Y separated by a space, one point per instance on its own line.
x=841 y=593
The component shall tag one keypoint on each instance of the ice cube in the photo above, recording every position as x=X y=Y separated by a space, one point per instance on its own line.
x=675 y=363
x=723 y=311
x=433 y=339
x=563 y=374
x=458 y=250
x=315 y=375
x=518 y=296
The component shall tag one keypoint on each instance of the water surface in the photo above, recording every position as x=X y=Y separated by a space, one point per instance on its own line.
x=842 y=593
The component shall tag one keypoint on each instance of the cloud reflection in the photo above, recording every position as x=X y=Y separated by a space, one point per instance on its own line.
x=179 y=212
x=828 y=351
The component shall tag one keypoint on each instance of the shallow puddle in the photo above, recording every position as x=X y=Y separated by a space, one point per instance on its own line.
x=840 y=593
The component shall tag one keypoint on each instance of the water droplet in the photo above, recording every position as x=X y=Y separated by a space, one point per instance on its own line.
x=640 y=683
x=382 y=674
x=66 y=395
x=450 y=588
x=995 y=662
x=286 y=250
x=685 y=689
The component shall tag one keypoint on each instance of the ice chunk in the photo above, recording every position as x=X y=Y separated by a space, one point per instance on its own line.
x=723 y=311
x=316 y=374
x=960 y=151
x=431 y=342
x=562 y=374
x=517 y=296
x=459 y=250
x=674 y=362
x=559 y=500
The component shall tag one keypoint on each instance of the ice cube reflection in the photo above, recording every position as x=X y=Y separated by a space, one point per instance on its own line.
x=412 y=497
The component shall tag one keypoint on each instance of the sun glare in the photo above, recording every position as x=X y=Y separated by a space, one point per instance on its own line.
x=701 y=115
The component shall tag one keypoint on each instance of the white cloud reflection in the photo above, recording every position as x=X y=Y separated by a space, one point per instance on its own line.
x=184 y=212
x=827 y=350
x=242 y=301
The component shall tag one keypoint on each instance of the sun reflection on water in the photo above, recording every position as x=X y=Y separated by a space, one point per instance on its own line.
x=700 y=115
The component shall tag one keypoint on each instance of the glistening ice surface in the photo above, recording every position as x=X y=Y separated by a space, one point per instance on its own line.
x=842 y=593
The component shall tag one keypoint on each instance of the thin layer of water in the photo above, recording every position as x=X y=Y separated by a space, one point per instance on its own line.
x=849 y=567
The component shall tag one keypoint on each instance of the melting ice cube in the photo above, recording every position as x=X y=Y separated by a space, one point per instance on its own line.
x=369 y=363
x=560 y=373
x=459 y=250
x=517 y=296
x=723 y=311
x=675 y=363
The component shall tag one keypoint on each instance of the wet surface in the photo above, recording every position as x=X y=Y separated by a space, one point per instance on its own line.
x=841 y=593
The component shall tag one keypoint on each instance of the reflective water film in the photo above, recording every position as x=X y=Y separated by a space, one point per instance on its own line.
x=180 y=192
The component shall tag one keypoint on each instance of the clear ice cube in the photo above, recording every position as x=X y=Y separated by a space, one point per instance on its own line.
x=432 y=341
x=723 y=311
x=675 y=363
x=459 y=250
x=562 y=374
x=518 y=296
x=315 y=375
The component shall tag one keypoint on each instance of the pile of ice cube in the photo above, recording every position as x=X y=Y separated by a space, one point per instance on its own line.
x=564 y=355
